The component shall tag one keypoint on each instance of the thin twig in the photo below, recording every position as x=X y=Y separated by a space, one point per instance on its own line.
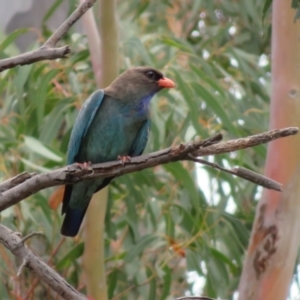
x=73 y=174
x=24 y=263
x=48 y=51
x=28 y=236
x=65 y=26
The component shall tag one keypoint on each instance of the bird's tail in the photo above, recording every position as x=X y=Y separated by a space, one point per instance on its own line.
x=79 y=195
x=72 y=221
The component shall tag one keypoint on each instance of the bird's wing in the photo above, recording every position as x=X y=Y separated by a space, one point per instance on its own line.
x=141 y=139
x=82 y=123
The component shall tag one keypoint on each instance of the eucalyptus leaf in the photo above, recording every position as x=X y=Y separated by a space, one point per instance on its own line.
x=37 y=147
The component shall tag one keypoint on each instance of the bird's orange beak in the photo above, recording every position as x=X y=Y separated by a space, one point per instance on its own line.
x=166 y=83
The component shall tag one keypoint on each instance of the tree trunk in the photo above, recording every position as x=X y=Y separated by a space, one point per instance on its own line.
x=275 y=235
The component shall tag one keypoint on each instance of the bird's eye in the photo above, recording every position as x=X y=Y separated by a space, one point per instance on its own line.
x=150 y=75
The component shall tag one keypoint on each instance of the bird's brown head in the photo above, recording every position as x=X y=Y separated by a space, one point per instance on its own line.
x=138 y=83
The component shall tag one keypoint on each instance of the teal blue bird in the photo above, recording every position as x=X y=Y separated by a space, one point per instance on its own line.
x=112 y=123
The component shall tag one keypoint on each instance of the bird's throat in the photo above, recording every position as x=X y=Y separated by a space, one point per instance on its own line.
x=143 y=105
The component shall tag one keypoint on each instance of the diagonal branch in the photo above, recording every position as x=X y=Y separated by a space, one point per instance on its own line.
x=9 y=183
x=65 y=26
x=48 y=51
x=13 y=242
x=31 y=57
x=72 y=174
x=243 y=173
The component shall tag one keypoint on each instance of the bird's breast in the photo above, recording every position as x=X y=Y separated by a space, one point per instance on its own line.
x=111 y=133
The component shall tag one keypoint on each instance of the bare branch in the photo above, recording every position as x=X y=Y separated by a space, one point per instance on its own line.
x=243 y=173
x=34 y=56
x=22 y=266
x=73 y=174
x=63 y=28
x=13 y=242
x=257 y=178
x=28 y=236
x=48 y=51
x=249 y=141
x=9 y=183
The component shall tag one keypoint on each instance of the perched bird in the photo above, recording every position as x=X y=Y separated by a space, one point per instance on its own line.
x=112 y=123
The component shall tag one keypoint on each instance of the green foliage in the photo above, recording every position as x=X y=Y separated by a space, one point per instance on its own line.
x=167 y=223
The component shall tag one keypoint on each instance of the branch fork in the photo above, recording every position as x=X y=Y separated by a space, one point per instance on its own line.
x=49 y=50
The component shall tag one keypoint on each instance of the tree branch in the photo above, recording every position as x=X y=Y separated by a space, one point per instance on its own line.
x=243 y=173
x=13 y=242
x=48 y=51
x=9 y=183
x=72 y=174
x=63 y=28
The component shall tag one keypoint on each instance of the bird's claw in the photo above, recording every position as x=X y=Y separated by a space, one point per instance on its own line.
x=84 y=166
x=124 y=158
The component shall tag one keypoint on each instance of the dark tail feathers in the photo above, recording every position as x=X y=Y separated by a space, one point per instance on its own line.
x=72 y=221
x=74 y=216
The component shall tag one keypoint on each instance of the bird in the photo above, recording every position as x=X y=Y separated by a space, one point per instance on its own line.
x=112 y=124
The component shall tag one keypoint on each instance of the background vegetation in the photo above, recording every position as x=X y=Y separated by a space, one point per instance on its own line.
x=172 y=230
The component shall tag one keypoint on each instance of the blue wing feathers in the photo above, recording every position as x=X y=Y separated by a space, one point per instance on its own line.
x=84 y=120
x=141 y=139
x=74 y=216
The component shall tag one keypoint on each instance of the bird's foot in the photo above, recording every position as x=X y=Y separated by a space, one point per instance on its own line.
x=124 y=158
x=84 y=166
